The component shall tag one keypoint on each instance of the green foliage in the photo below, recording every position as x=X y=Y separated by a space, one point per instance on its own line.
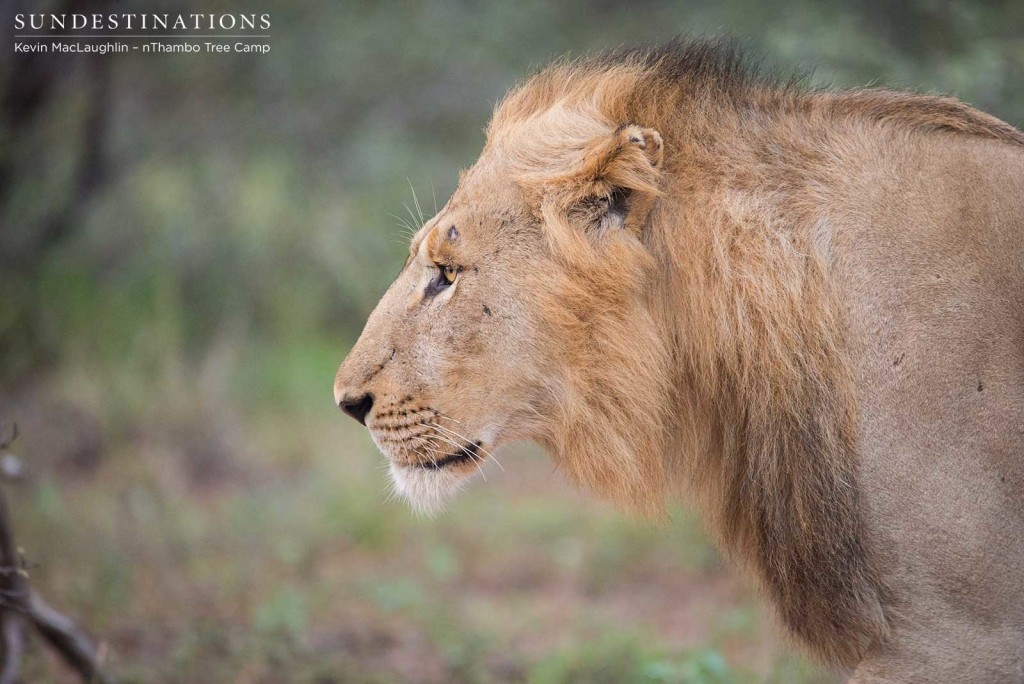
x=197 y=308
x=624 y=657
x=285 y=613
x=254 y=198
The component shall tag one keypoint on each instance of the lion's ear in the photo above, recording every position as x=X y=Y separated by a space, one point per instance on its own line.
x=630 y=158
x=621 y=177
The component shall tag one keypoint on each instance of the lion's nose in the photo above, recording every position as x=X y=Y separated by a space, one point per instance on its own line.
x=357 y=406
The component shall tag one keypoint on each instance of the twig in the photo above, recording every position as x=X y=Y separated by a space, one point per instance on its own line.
x=14 y=590
x=19 y=602
x=66 y=638
x=13 y=628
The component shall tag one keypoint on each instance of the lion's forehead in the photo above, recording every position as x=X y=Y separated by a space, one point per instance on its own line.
x=476 y=218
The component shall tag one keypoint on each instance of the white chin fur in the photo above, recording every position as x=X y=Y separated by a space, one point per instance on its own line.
x=427 y=491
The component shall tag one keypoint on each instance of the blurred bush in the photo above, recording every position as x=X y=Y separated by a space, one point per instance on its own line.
x=156 y=204
x=188 y=245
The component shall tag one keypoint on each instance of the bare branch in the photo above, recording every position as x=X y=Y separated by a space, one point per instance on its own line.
x=13 y=632
x=66 y=638
x=18 y=602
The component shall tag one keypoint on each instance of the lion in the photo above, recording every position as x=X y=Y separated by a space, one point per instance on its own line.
x=802 y=310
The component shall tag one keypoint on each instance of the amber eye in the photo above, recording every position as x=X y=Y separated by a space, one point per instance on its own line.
x=444 y=279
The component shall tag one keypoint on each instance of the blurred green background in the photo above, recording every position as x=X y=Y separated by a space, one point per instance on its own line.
x=189 y=244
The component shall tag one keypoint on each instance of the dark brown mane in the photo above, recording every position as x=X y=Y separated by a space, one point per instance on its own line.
x=769 y=416
x=716 y=64
x=720 y=69
x=761 y=389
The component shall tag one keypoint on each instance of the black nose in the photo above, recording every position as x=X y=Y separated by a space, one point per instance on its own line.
x=357 y=407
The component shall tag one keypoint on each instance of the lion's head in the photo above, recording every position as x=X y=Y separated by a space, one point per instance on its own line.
x=522 y=313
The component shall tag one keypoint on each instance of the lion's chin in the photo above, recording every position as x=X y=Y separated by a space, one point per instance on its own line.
x=427 y=491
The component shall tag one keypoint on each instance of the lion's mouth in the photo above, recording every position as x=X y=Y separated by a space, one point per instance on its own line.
x=467 y=454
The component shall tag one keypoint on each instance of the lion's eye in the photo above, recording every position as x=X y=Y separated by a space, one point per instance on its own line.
x=443 y=280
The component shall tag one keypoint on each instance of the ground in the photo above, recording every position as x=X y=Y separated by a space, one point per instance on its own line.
x=225 y=542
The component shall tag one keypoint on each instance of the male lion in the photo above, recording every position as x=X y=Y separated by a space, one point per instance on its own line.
x=804 y=308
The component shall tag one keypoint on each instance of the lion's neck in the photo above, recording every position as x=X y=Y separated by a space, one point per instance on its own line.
x=765 y=434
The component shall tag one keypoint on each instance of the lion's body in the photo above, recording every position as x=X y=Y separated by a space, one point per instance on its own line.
x=932 y=277
x=806 y=309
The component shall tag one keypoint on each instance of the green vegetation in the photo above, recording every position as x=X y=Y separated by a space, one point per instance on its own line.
x=169 y=332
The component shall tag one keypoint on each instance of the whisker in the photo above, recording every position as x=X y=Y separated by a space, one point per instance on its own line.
x=446 y=440
x=457 y=435
x=460 y=445
x=407 y=230
x=460 y=436
x=402 y=221
x=480 y=468
x=468 y=441
x=415 y=200
x=479 y=462
x=392 y=493
x=496 y=462
x=452 y=433
x=408 y=209
x=432 y=451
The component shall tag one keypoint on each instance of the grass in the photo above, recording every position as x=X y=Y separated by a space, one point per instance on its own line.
x=224 y=539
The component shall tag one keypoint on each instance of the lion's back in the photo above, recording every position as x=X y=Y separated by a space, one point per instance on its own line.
x=929 y=265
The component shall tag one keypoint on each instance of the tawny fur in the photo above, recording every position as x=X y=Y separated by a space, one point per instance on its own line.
x=694 y=341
